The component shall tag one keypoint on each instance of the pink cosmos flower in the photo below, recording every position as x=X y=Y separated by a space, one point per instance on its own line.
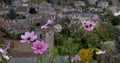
x=4 y=52
x=39 y=47
x=88 y=25
x=7 y=47
x=46 y=25
x=28 y=37
x=76 y=58
x=49 y=21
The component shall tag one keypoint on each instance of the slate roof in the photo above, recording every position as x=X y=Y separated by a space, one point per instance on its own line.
x=84 y=14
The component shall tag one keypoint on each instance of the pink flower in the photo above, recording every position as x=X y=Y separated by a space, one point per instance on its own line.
x=49 y=22
x=46 y=25
x=7 y=47
x=28 y=37
x=76 y=58
x=88 y=25
x=39 y=47
x=5 y=51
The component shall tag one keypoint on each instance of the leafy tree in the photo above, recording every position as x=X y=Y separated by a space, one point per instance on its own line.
x=8 y=2
x=37 y=1
x=12 y=14
x=32 y=10
x=49 y=1
x=115 y=21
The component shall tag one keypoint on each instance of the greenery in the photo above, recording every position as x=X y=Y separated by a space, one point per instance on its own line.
x=115 y=20
x=12 y=14
x=8 y=2
x=32 y=10
x=83 y=41
x=37 y=1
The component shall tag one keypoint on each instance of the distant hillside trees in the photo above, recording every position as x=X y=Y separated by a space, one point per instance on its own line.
x=8 y=2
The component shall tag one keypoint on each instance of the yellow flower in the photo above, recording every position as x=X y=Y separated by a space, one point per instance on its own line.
x=86 y=54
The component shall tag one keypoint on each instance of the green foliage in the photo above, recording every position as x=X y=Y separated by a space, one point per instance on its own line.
x=8 y=2
x=50 y=1
x=115 y=21
x=12 y=14
x=65 y=31
x=37 y=1
x=107 y=31
x=7 y=34
x=65 y=21
x=32 y=10
x=66 y=45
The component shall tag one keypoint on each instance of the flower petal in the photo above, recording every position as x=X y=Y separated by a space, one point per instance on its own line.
x=23 y=37
x=1 y=50
x=6 y=57
x=44 y=27
x=49 y=22
x=23 y=41
x=27 y=34
x=34 y=37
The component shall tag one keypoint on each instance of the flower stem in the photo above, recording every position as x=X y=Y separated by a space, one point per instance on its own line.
x=41 y=59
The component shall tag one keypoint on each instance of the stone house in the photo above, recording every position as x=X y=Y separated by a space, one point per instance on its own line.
x=4 y=10
x=77 y=18
x=67 y=8
x=114 y=9
x=115 y=2
x=47 y=9
x=92 y=2
x=21 y=3
x=22 y=10
x=103 y=4
x=79 y=3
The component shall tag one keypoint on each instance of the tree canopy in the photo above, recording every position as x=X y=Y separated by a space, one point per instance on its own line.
x=12 y=14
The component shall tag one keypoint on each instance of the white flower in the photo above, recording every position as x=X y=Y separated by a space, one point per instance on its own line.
x=116 y=13
x=1 y=50
x=6 y=57
x=100 y=52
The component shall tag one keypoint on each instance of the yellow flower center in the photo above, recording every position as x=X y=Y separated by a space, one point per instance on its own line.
x=39 y=46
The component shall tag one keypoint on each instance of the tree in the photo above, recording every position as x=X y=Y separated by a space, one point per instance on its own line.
x=115 y=21
x=49 y=1
x=8 y=2
x=37 y=1
x=12 y=14
x=32 y=10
